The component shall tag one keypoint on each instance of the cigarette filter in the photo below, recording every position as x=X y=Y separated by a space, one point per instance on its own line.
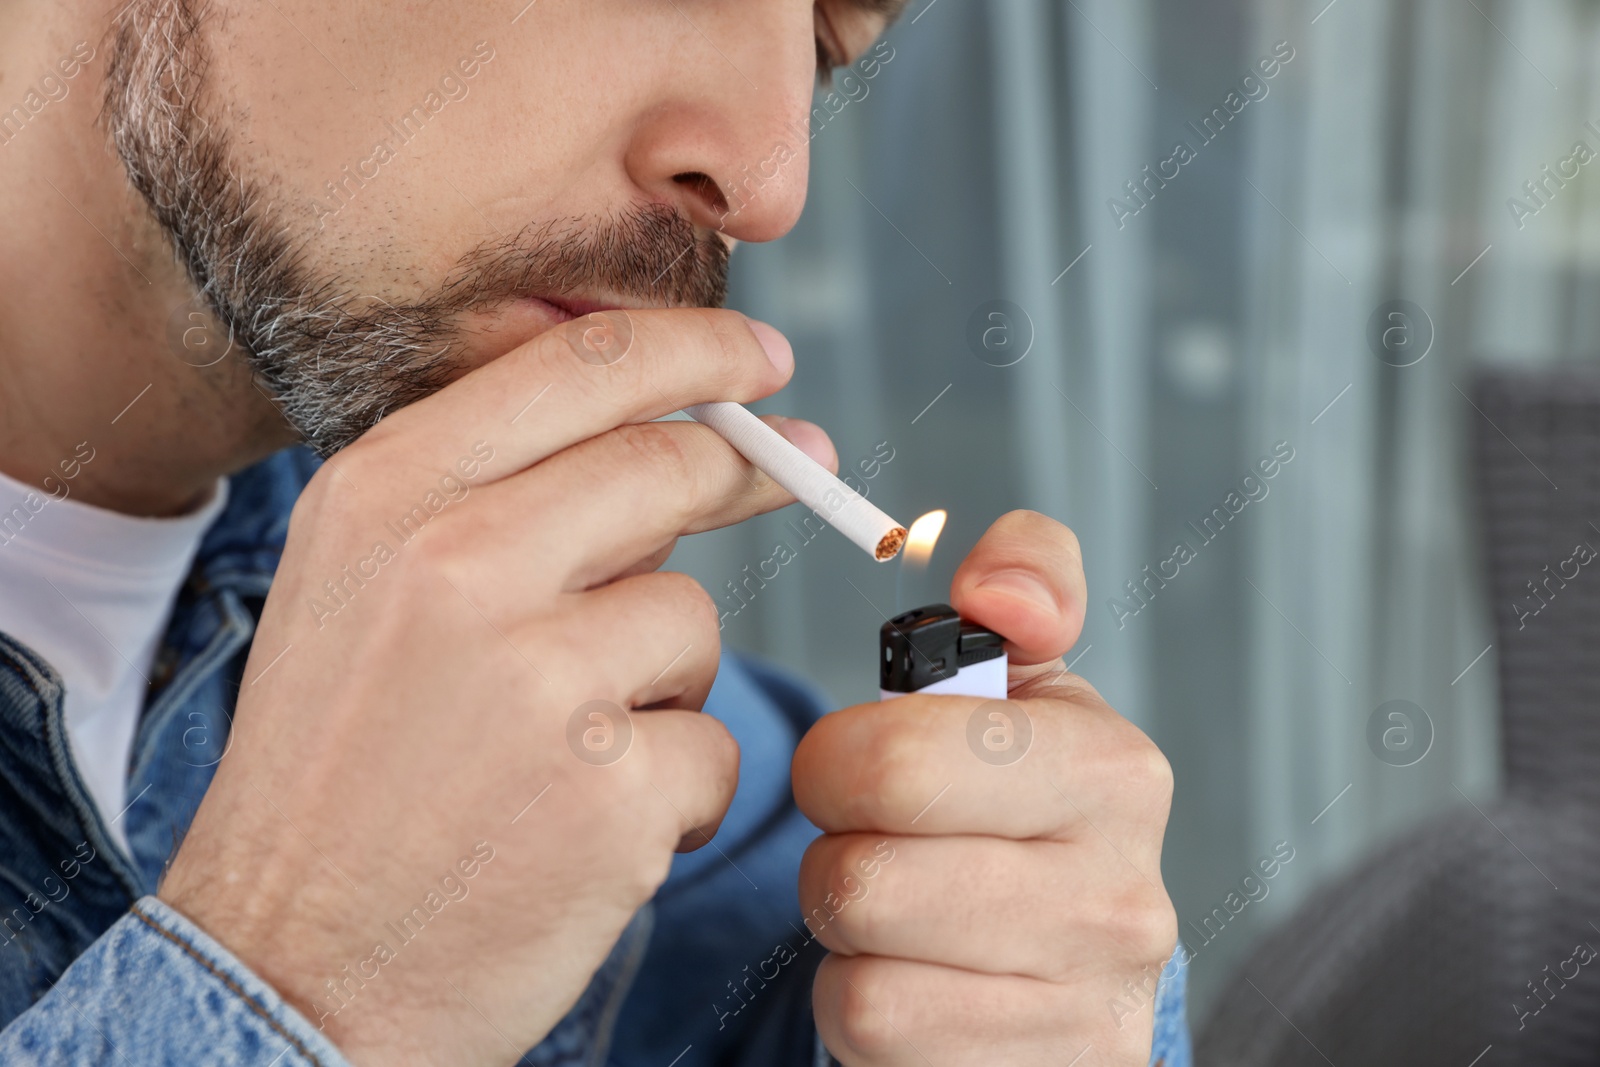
x=934 y=650
x=835 y=502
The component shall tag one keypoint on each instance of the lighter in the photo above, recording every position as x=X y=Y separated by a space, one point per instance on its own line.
x=933 y=650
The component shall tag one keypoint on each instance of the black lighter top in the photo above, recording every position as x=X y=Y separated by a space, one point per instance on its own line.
x=930 y=644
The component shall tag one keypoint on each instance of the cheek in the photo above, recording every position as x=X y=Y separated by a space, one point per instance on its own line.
x=365 y=130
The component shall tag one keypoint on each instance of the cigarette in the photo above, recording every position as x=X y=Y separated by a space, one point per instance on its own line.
x=840 y=506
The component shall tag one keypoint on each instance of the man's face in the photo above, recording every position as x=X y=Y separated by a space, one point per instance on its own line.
x=377 y=197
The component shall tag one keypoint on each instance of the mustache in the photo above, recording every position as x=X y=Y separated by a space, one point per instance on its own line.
x=337 y=363
x=650 y=254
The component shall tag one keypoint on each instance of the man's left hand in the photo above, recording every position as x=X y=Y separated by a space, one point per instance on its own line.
x=988 y=881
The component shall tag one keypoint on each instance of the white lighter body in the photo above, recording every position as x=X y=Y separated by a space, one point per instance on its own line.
x=933 y=650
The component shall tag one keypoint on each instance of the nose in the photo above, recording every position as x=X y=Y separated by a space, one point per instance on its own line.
x=728 y=141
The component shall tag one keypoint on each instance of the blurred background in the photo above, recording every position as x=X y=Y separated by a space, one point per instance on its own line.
x=977 y=291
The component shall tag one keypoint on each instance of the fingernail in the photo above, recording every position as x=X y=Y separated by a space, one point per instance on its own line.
x=776 y=346
x=1023 y=586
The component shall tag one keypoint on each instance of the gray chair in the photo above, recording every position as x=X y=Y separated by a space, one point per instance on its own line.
x=1446 y=943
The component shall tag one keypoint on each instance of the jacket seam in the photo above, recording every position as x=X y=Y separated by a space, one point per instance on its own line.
x=90 y=818
x=232 y=635
x=228 y=981
x=21 y=661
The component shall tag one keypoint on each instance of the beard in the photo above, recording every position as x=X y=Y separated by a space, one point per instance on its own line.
x=335 y=361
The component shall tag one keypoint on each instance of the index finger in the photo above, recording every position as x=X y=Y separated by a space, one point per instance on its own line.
x=579 y=380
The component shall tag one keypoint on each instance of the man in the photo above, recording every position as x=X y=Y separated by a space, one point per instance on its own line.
x=430 y=832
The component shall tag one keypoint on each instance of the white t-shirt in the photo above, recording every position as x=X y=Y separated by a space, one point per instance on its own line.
x=90 y=591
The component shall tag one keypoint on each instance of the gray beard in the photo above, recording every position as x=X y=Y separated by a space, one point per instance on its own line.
x=336 y=362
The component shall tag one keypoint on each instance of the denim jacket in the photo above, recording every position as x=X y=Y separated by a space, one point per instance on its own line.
x=94 y=969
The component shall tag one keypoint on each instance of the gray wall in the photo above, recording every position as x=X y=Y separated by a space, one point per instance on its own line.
x=1224 y=317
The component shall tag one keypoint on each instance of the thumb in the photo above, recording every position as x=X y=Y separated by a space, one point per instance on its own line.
x=1024 y=580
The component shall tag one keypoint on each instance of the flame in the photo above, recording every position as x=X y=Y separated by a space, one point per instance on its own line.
x=924 y=533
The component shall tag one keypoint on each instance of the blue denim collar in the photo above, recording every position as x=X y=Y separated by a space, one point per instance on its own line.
x=46 y=814
x=242 y=549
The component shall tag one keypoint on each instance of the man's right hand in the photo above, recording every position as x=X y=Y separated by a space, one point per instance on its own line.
x=390 y=739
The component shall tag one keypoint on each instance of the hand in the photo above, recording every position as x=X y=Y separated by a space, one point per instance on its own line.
x=404 y=705
x=979 y=910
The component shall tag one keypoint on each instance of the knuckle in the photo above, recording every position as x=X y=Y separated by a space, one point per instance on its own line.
x=1149 y=773
x=855 y=856
x=731 y=348
x=662 y=449
x=838 y=890
x=689 y=600
x=815 y=863
x=898 y=760
x=866 y=1010
x=636 y=796
x=568 y=659
x=717 y=762
x=725 y=759
x=625 y=858
x=640 y=825
x=1143 y=925
x=438 y=550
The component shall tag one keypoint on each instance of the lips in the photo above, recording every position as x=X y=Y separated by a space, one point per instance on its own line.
x=575 y=307
x=494 y=333
x=578 y=307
